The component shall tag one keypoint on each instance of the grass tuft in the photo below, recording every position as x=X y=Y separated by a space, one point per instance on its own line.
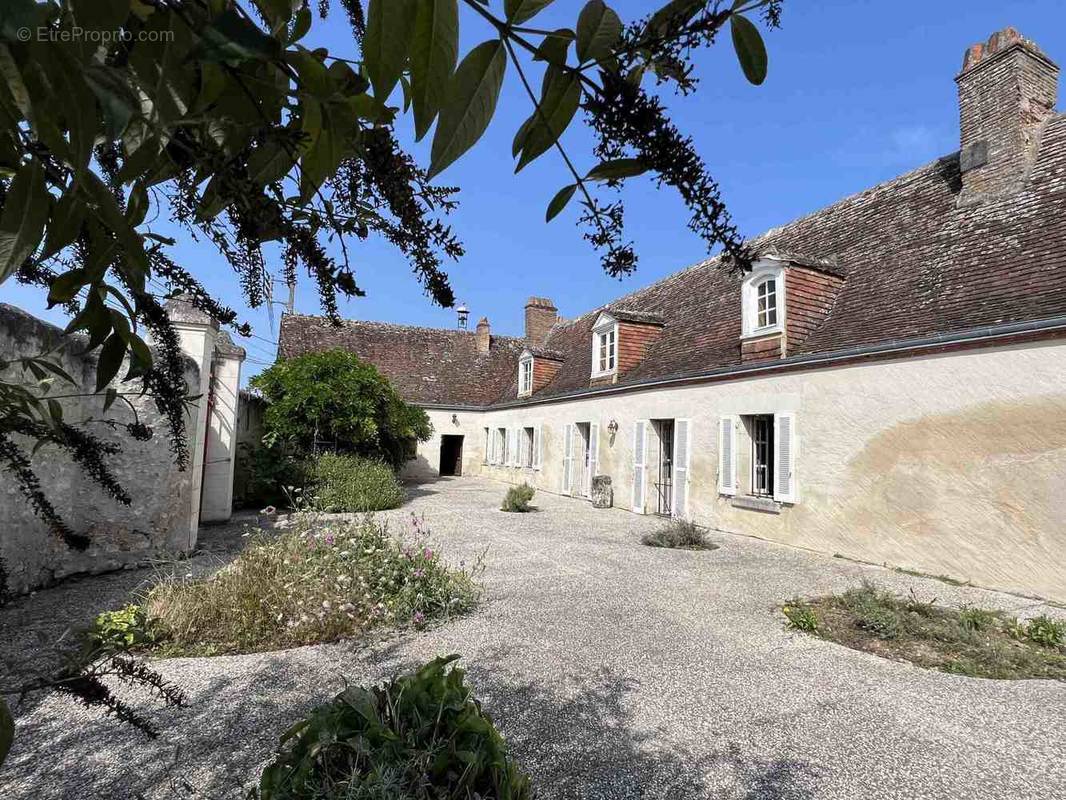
x=969 y=641
x=679 y=535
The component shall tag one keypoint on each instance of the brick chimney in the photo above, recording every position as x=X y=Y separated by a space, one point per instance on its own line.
x=541 y=315
x=484 y=335
x=1007 y=89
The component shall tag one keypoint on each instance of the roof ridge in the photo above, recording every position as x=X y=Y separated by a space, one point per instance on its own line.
x=401 y=325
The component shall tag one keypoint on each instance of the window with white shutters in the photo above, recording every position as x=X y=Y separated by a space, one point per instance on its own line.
x=727 y=455
x=594 y=455
x=682 y=434
x=639 y=465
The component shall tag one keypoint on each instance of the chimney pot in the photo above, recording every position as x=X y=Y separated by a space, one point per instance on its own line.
x=484 y=335
x=541 y=315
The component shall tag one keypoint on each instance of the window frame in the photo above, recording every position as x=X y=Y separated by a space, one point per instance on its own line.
x=525 y=376
x=761 y=275
x=528 y=440
x=606 y=328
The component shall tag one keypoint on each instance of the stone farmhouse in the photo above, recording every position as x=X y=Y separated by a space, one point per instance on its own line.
x=887 y=384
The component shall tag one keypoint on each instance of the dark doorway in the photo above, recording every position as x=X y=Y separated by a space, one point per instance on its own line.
x=451 y=455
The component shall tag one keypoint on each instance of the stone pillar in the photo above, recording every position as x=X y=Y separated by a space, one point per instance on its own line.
x=221 y=452
x=198 y=334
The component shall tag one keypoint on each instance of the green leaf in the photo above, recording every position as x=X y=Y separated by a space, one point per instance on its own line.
x=110 y=398
x=560 y=97
x=269 y=162
x=558 y=203
x=65 y=224
x=555 y=47
x=389 y=25
x=55 y=369
x=137 y=205
x=233 y=39
x=676 y=12
x=301 y=25
x=7 y=730
x=598 y=30
x=618 y=168
x=111 y=355
x=23 y=219
x=434 y=51
x=117 y=100
x=100 y=15
x=519 y=11
x=64 y=287
x=751 y=51
x=471 y=101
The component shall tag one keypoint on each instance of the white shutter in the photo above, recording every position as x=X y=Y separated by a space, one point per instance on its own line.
x=727 y=455
x=492 y=445
x=512 y=447
x=594 y=454
x=485 y=458
x=639 y=467
x=785 y=446
x=536 y=447
x=682 y=434
x=568 y=458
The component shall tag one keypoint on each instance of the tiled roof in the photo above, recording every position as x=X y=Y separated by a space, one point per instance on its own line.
x=427 y=365
x=916 y=263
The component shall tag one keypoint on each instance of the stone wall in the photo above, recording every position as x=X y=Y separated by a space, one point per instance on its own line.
x=158 y=521
x=950 y=464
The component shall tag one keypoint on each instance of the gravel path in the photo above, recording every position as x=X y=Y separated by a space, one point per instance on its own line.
x=615 y=670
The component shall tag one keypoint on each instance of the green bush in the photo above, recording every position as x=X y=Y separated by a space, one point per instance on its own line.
x=679 y=534
x=124 y=629
x=518 y=497
x=335 y=397
x=1046 y=632
x=262 y=474
x=421 y=736
x=310 y=585
x=353 y=484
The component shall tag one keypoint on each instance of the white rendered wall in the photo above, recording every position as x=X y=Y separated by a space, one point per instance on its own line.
x=950 y=464
x=220 y=457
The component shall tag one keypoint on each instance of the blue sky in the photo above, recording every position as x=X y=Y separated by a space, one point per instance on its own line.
x=858 y=91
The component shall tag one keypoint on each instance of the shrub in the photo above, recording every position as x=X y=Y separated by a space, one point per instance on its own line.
x=975 y=620
x=354 y=484
x=124 y=629
x=801 y=616
x=311 y=585
x=335 y=397
x=262 y=473
x=679 y=534
x=518 y=497
x=421 y=736
x=1046 y=632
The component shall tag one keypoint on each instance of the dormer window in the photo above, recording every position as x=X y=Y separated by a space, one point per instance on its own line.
x=763 y=300
x=525 y=376
x=605 y=346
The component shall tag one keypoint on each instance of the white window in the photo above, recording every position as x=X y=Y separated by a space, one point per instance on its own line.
x=757 y=457
x=763 y=300
x=525 y=376
x=605 y=346
x=501 y=445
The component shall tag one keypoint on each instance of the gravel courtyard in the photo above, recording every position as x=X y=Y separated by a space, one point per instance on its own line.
x=615 y=670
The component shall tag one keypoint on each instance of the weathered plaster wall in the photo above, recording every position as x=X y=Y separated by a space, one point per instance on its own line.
x=426 y=464
x=220 y=455
x=158 y=520
x=952 y=464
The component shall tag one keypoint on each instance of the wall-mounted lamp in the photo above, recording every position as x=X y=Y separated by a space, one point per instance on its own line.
x=612 y=427
x=455 y=419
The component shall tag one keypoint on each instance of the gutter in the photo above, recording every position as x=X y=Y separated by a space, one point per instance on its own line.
x=988 y=333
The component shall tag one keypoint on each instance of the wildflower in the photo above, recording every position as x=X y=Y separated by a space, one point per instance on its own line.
x=427 y=554
x=418 y=618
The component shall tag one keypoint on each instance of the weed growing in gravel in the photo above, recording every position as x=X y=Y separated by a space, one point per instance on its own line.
x=1045 y=631
x=969 y=641
x=801 y=616
x=421 y=736
x=679 y=534
x=311 y=584
x=518 y=497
